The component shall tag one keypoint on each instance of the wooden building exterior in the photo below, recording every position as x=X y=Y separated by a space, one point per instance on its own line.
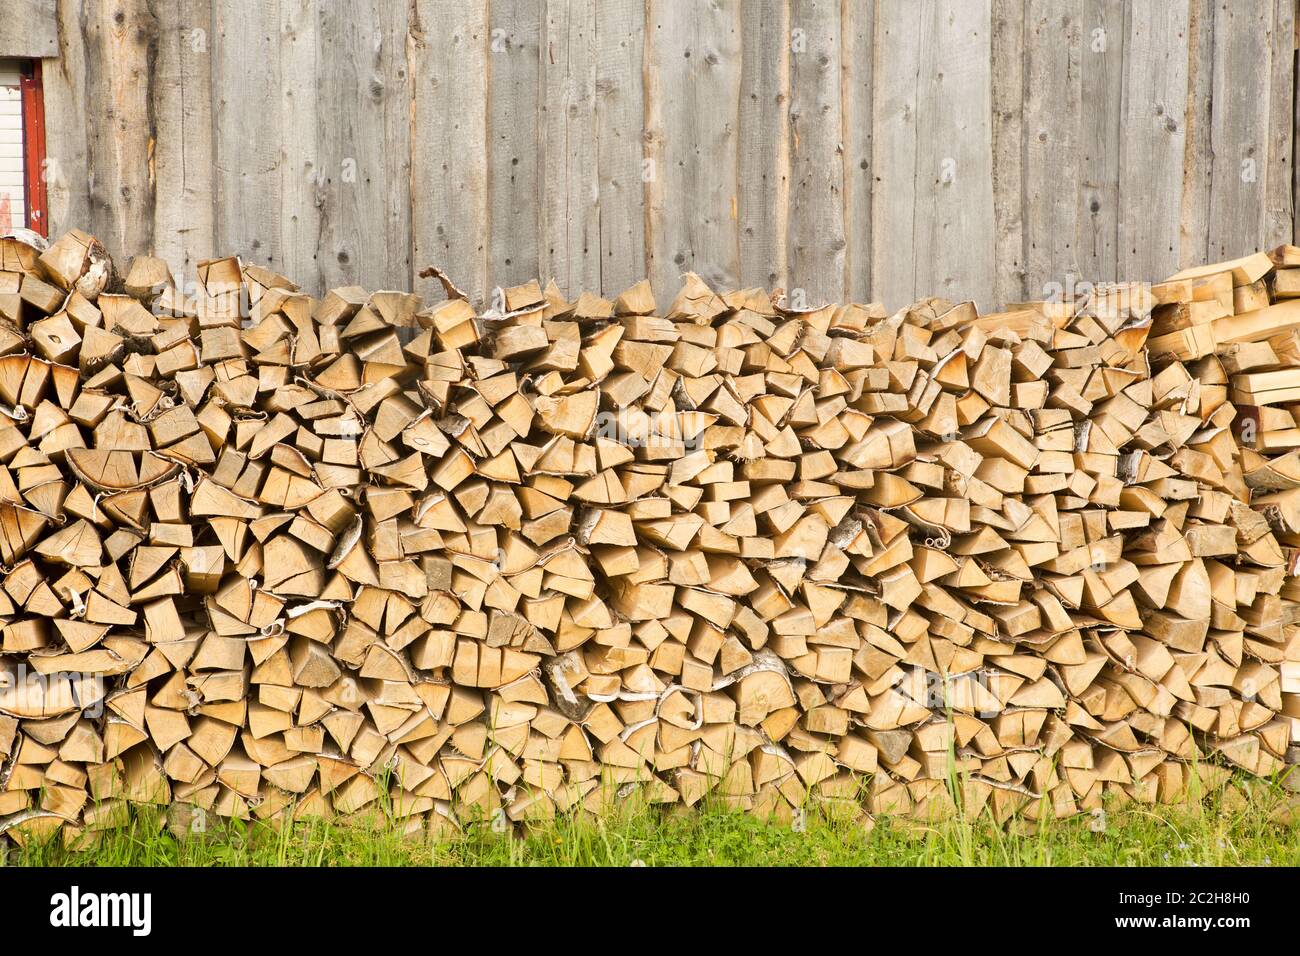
x=849 y=148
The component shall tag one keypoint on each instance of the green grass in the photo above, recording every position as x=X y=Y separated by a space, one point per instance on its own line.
x=1253 y=831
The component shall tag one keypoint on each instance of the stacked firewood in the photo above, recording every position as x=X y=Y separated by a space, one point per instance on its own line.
x=271 y=556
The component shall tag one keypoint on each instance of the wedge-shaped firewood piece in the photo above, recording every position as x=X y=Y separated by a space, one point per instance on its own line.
x=36 y=697
x=77 y=544
x=570 y=415
x=20 y=528
x=291 y=568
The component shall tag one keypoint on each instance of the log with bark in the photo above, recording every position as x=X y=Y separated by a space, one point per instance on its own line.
x=272 y=556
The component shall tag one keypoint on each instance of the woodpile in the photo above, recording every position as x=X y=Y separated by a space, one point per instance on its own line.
x=270 y=556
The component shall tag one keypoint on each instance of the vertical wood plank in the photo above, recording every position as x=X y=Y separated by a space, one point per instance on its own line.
x=898 y=64
x=246 y=129
x=764 y=143
x=692 y=113
x=514 y=108
x=570 y=233
x=1100 y=133
x=620 y=116
x=1294 y=131
x=857 y=36
x=183 y=214
x=934 y=233
x=1198 y=158
x=816 y=230
x=301 y=112
x=955 y=259
x=365 y=148
x=448 y=66
x=1008 y=96
x=63 y=83
x=1073 y=53
x=1239 y=129
x=1053 y=145
x=1151 y=158
x=1279 y=201
x=121 y=43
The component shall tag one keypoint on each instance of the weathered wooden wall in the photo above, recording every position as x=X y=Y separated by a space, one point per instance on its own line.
x=27 y=29
x=848 y=148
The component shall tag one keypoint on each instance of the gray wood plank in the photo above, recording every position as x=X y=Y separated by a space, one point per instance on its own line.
x=1053 y=143
x=955 y=179
x=305 y=118
x=63 y=85
x=692 y=114
x=514 y=108
x=448 y=67
x=1198 y=157
x=365 y=147
x=120 y=46
x=763 y=206
x=30 y=29
x=1154 y=121
x=933 y=214
x=620 y=117
x=1294 y=121
x=858 y=46
x=816 y=229
x=1239 y=129
x=1071 y=133
x=246 y=80
x=1100 y=132
x=1279 y=200
x=184 y=221
x=898 y=64
x=569 y=250
x=1008 y=95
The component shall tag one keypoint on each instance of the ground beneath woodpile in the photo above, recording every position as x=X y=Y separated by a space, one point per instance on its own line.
x=1254 y=823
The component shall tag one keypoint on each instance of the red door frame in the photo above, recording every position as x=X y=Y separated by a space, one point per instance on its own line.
x=33 y=106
